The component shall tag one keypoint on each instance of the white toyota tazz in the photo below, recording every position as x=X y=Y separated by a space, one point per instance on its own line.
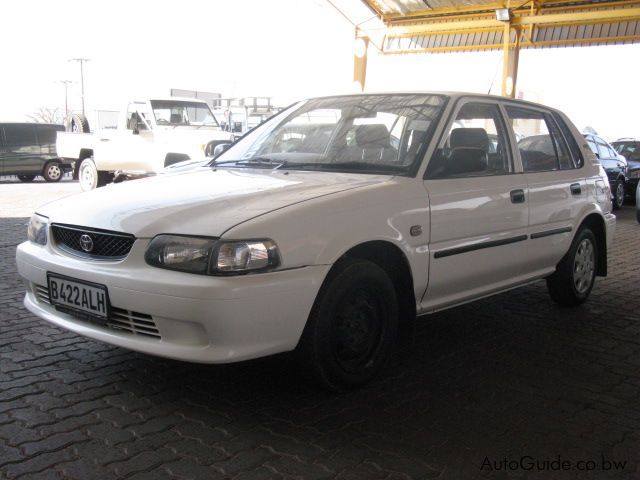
x=325 y=230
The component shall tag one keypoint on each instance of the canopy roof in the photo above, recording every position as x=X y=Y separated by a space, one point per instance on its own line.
x=413 y=26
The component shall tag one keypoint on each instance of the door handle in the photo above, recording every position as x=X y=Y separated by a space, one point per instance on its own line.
x=105 y=139
x=576 y=189
x=517 y=196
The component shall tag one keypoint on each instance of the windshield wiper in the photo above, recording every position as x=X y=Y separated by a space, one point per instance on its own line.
x=254 y=162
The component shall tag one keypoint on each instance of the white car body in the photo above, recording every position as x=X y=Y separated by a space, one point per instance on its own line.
x=462 y=239
x=150 y=150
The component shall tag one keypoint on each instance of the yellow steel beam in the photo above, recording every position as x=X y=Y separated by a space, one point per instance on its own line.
x=526 y=44
x=574 y=18
x=482 y=9
x=360 y=62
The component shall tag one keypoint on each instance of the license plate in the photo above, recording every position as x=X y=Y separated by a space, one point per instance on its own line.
x=78 y=295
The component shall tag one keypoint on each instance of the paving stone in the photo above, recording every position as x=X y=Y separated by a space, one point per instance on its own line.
x=509 y=375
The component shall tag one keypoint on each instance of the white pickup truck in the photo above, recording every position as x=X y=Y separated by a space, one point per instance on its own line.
x=147 y=137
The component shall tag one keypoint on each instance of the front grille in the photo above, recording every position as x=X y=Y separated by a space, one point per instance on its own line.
x=135 y=323
x=103 y=244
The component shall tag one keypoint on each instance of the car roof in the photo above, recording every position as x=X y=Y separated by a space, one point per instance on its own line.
x=450 y=94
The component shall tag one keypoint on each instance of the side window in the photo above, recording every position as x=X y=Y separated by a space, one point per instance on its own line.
x=541 y=144
x=476 y=145
x=605 y=151
x=19 y=135
x=574 y=148
x=592 y=146
x=46 y=135
x=135 y=119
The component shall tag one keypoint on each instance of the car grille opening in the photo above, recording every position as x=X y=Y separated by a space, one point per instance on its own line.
x=135 y=323
x=92 y=243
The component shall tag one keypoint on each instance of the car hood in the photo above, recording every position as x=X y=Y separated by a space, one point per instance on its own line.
x=200 y=202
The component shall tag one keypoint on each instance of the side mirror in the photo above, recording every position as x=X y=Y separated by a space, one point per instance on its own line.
x=220 y=149
x=136 y=130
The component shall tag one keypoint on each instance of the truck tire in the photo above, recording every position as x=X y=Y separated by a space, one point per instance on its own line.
x=78 y=123
x=52 y=171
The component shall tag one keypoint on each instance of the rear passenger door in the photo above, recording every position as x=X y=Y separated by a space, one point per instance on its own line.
x=479 y=208
x=551 y=161
x=22 y=150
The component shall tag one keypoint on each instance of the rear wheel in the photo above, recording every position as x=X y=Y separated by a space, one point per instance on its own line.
x=571 y=283
x=52 y=172
x=352 y=328
x=26 y=178
x=618 y=194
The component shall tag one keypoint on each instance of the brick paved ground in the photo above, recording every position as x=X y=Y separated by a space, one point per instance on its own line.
x=505 y=377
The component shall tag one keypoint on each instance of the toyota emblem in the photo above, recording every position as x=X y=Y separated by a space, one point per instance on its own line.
x=86 y=243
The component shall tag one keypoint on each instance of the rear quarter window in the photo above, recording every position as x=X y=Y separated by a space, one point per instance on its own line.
x=19 y=135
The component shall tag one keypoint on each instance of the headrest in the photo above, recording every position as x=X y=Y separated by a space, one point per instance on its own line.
x=469 y=138
x=466 y=161
x=372 y=136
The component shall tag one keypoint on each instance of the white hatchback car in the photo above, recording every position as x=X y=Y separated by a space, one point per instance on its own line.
x=324 y=230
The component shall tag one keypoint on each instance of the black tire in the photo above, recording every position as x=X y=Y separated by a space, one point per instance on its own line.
x=26 y=178
x=618 y=194
x=352 y=328
x=52 y=171
x=78 y=123
x=571 y=283
x=638 y=213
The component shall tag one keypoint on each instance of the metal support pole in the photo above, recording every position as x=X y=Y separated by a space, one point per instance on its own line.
x=511 y=55
x=82 y=62
x=360 y=61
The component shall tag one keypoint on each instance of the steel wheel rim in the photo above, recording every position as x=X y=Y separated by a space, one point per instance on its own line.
x=358 y=329
x=86 y=177
x=54 y=172
x=584 y=266
x=620 y=193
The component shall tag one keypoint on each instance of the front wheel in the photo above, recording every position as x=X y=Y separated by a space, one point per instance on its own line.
x=88 y=175
x=571 y=283
x=352 y=328
x=618 y=194
x=52 y=172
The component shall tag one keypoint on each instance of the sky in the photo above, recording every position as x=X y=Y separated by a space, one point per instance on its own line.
x=286 y=49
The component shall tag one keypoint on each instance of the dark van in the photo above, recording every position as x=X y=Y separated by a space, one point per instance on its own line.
x=29 y=149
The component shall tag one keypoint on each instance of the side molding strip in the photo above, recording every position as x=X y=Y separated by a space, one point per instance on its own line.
x=478 y=246
x=548 y=233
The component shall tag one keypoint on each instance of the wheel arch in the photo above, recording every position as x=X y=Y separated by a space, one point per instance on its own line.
x=595 y=222
x=84 y=153
x=395 y=263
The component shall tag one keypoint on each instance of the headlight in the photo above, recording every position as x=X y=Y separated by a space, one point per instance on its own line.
x=37 y=230
x=634 y=174
x=211 y=256
x=245 y=256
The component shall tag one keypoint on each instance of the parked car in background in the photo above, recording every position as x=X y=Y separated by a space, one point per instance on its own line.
x=142 y=139
x=614 y=164
x=29 y=149
x=326 y=230
x=630 y=149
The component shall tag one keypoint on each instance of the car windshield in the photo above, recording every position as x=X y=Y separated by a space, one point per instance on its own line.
x=626 y=147
x=360 y=133
x=182 y=113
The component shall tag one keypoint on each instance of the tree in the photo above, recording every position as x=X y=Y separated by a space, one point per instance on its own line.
x=47 y=115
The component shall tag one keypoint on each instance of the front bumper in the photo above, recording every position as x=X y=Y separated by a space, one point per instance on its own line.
x=197 y=318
